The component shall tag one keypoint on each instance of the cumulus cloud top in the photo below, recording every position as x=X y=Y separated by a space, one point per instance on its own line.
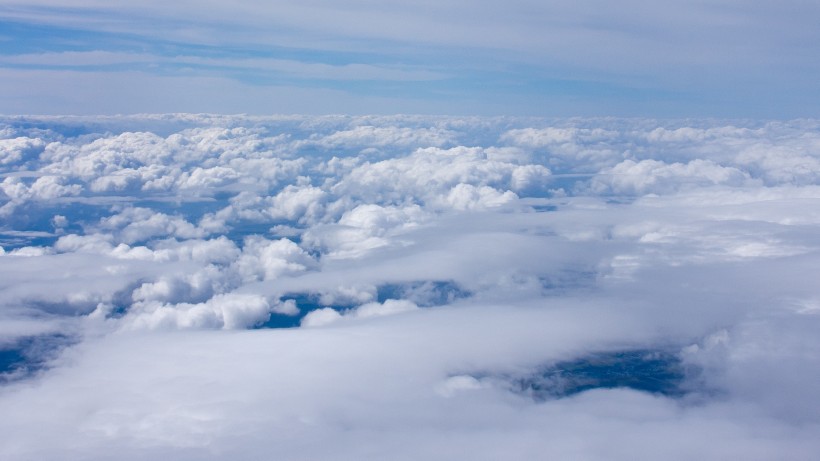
x=215 y=287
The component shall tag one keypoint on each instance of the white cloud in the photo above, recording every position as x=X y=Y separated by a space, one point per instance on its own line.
x=468 y=197
x=223 y=311
x=530 y=244
x=427 y=173
x=200 y=178
x=652 y=176
x=17 y=150
x=555 y=137
x=106 y=155
x=135 y=224
x=321 y=317
x=364 y=228
x=43 y=188
x=295 y=203
x=389 y=307
x=378 y=219
x=327 y=315
x=264 y=259
x=369 y=136
x=455 y=384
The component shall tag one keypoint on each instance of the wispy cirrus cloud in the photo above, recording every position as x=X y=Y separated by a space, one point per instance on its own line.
x=673 y=58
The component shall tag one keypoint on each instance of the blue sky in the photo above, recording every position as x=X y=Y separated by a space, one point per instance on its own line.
x=521 y=57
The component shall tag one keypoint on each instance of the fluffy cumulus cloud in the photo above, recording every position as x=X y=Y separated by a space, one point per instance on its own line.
x=231 y=287
x=430 y=173
x=19 y=150
x=228 y=311
x=370 y=138
x=327 y=315
x=653 y=176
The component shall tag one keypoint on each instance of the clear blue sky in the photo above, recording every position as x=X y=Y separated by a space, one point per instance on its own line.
x=673 y=58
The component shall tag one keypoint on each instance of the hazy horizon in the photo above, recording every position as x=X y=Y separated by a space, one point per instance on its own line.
x=676 y=58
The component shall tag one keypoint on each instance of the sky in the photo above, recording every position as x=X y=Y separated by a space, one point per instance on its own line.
x=672 y=58
x=316 y=230
x=302 y=287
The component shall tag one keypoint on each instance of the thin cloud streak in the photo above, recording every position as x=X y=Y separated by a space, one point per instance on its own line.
x=686 y=50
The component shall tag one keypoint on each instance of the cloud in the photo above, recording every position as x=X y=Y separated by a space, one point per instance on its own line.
x=368 y=136
x=363 y=228
x=327 y=315
x=212 y=287
x=226 y=311
x=469 y=197
x=263 y=259
x=295 y=203
x=43 y=188
x=138 y=224
x=328 y=58
x=652 y=176
x=97 y=58
x=17 y=150
x=429 y=172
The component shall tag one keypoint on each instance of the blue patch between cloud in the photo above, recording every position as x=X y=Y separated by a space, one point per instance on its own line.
x=657 y=372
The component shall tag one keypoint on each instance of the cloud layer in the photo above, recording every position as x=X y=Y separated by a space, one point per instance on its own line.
x=215 y=287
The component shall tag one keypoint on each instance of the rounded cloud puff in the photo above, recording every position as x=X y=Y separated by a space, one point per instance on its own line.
x=225 y=311
x=652 y=176
x=327 y=315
